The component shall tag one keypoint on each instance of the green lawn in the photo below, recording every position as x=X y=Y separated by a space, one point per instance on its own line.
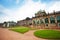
x=48 y=34
x=20 y=29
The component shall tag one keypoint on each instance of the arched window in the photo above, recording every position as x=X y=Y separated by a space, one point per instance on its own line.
x=33 y=21
x=58 y=19
x=52 y=20
x=46 y=20
x=37 y=21
x=41 y=21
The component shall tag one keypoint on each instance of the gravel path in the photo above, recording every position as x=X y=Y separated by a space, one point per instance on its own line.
x=6 y=34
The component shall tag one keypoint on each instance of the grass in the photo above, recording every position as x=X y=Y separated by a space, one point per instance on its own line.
x=47 y=34
x=20 y=29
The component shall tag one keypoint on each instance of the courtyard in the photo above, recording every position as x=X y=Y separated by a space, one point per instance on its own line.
x=6 y=34
x=20 y=34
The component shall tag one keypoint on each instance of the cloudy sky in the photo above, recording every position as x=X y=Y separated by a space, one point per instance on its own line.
x=14 y=10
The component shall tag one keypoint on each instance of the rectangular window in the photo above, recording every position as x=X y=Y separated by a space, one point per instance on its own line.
x=58 y=19
x=46 y=20
x=52 y=20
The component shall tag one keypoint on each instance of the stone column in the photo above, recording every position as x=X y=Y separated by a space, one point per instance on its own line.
x=55 y=20
x=48 y=23
x=7 y=24
x=4 y=25
x=43 y=20
x=49 y=19
x=33 y=23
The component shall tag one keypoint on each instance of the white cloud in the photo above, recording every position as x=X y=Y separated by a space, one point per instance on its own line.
x=5 y=12
x=28 y=10
x=55 y=6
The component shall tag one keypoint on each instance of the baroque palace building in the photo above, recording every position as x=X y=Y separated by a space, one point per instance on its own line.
x=42 y=20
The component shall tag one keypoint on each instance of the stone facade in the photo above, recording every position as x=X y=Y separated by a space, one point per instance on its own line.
x=1 y=24
x=50 y=21
x=43 y=20
x=9 y=24
x=24 y=22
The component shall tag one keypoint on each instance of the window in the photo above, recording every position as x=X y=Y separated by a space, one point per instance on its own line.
x=58 y=19
x=37 y=21
x=46 y=24
x=46 y=20
x=41 y=21
x=52 y=20
x=59 y=24
x=30 y=23
x=33 y=21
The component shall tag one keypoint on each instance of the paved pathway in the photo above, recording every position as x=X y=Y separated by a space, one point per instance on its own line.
x=6 y=34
